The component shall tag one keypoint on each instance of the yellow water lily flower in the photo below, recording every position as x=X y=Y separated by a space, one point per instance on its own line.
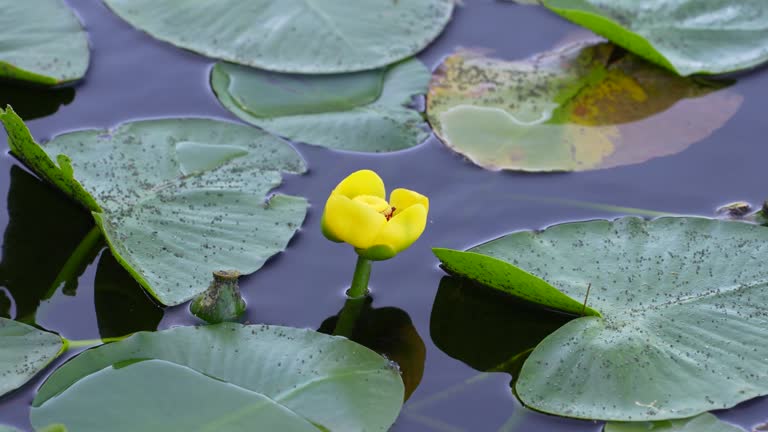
x=358 y=213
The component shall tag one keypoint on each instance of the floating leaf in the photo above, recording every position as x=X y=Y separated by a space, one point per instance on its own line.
x=294 y=35
x=43 y=42
x=488 y=330
x=176 y=199
x=363 y=111
x=686 y=36
x=25 y=352
x=583 y=106
x=328 y=381
x=701 y=423
x=683 y=317
x=4 y=428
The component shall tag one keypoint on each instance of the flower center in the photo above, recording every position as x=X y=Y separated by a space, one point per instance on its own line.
x=377 y=204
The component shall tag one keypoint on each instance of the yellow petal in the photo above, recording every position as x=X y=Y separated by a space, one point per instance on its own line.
x=375 y=203
x=351 y=222
x=363 y=182
x=401 y=199
x=403 y=229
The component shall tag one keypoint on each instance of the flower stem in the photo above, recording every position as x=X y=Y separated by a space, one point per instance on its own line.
x=69 y=344
x=359 y=286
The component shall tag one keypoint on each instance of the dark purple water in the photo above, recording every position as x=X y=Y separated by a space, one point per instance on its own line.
x=133 y=76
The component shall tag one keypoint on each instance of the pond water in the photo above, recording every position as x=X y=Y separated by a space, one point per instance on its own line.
x=133 y=76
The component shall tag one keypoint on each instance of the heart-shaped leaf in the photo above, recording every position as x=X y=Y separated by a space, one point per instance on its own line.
x=284 y=373
x=43 y=42
x=582 y=106
x=25 y=352
x=301 y=36
x=686 y=36
x=683 y=318
x=363 y=111
x=176 y=199
x=701 y=423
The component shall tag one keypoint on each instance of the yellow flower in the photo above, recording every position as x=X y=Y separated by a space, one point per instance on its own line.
x=357 y=213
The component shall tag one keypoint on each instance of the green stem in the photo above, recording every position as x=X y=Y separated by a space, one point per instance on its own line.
x=69 y=344
x=77 y=260
x=359 y=286
x=345 y=325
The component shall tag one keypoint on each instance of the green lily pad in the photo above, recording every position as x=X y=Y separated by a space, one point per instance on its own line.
x=176 y=199
x=299 y=36
x=290 y=374
x=701 y=423
x=686 y=36
x=363 y=111
x=682 y=314
x=26 y=351
x=4 y=428
x=43 y=42
x=582 y=106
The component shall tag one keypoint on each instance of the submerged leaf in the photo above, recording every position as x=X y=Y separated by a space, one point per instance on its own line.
x=290 y=374
x=364 y=111
x=25 y=352
x=686 y=36
x=583 y=106
x=176 y=199
x=298 y=36
x=43 y=42
x=701 y=423
x=683 y=317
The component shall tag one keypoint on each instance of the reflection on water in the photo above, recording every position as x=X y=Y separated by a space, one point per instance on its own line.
x=43 y=231
x=388 y=331
x=32 y=102
x=488 y=330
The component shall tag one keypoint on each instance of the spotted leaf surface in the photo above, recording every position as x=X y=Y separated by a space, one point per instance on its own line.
x=292 y=379
x=583 y=106
x=25 y=352
x=176 y=199
x=43 y=42
x=364 y=111
x=683 y=315
x=686 y=36
x=301 y=36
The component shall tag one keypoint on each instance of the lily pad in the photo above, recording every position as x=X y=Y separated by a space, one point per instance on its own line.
x=682 y=314
x=686 y=36
x=176 y=199
x=701 y=423
x=291 y=374
x=43 y=42
x=26 y=351
x=299 y=36
x=363 y=111
x=582 y=106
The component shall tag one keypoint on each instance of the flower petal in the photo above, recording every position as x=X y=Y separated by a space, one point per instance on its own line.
x=403 y=229
x=351 y=222
x=401 y=199
x=363 y=182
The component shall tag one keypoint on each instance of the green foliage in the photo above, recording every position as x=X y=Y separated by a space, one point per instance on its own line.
x=25 y=352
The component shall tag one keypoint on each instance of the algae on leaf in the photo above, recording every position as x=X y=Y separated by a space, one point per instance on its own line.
x=294 y=376
x=363 y=111
x=682 y=304
x=297 y=36
x=25 y=352
x=176 y=199
x=686 y=36
x=583 y=106
x=43 y=42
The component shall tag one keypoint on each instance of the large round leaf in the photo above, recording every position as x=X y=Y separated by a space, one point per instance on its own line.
x=683 y=311
x=302 y=36
x=582 y=106
x=43 y=42
x=176 y=199
x=25 y=352
x=701 y=423
x=687 y=36
x=363 y=111
x=328 y=381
